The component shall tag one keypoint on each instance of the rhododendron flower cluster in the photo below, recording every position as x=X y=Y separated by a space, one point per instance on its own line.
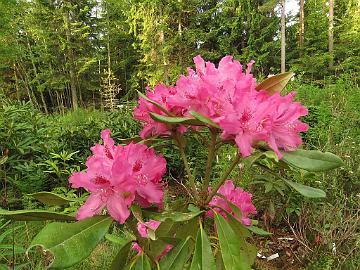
x=238 y=197
x=228 y=96
x=117 y=175
x=143 y=229
x=160 y=95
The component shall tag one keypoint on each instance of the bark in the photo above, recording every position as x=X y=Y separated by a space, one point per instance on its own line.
x=283 y=42
x=70 y=58
x=28 y=87
x=301 y=25
x=331 y=33
x=16 y=84
x=36 y=75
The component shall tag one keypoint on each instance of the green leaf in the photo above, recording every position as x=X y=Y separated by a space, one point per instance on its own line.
x=306 y=191
x=34 y=215
x=142 y=263
x=187 y=228
x=242 y=232
x=121 y=257
x=204 y=119
x=219 y=261
x=271 y=155
x=258 y=230
x=203 y=258
x=177 y=256
x=312 y=160
x=70 y=243
x=50 y=198
x=173 y=120
x=239 y=229
x=275 y=83
x=234 y=257
x=170 y=240
x=164 y=228
x=154 y=103
x=136 y=211
x=174 y=216
x=117 y=239
x=153 y=248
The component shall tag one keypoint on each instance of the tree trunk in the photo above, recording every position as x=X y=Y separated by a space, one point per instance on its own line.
x=36 y=76
x=283 y=27
x=28 y=87
x=70 y=59
x=16 y=84
x=43 y=101
x=302 y=25
x=331 y=33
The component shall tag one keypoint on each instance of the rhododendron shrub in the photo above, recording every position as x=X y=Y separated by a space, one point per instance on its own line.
x=208 y=225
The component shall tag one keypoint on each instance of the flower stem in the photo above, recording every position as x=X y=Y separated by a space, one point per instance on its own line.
x=211 y=156
x=191 y=177
x=223 y=178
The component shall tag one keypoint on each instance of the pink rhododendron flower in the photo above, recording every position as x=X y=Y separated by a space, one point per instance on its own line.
x=160 y=95
x=285 y=124
x=238 y=197
x=147 y=171
x=228 y=96
x=143 y=231
x=247 y=123
x=116 y=176
x=210 y=90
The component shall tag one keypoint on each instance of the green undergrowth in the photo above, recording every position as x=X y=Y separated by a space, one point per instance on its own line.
x=42 y=151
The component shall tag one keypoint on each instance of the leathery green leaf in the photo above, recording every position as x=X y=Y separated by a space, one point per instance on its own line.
x=234 y=256
x=172 y=120
x=203 y=258
x=70 y=243
x=120 y=260
x=258 y=230
x=306 y=191
x=142 y=263
x=312 y=160
x=177 y=256
x=174 y=216
x=34 y=215
x=204 y=119
x=50 y=198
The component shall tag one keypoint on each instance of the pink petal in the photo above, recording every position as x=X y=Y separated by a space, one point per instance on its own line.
x=137 y=248
x=81 y=179
x=118 y=208
x=93 y=206
x=244 y=142
x=151 y=192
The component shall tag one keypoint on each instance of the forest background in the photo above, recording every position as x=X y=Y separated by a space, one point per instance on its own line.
x=71 y=68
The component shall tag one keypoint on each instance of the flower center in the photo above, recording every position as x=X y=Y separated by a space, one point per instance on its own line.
x=107 y=152
x=99 y=180
x=137 y=167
